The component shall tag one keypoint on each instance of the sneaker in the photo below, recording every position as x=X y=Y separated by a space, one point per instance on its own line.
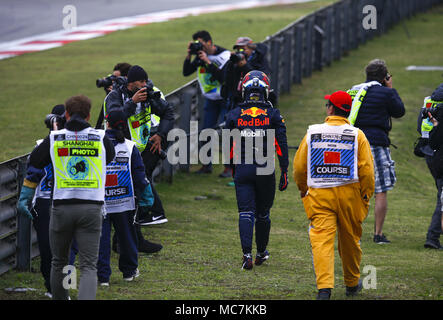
x=381 y=239
x=432 y=245
x=149 y=247
x=324 y=294
x=247 y=261
x=204 y=169
x=261 y=257
x=103 y=284
x=353 y=291
x=48 y=294
x=131 y=278
x=227 y=173
x=150 y=219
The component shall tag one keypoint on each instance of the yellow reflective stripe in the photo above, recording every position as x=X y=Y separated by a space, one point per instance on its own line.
x=356 y=104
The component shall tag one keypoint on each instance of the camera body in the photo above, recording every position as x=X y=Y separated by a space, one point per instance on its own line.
x=435 y=111
x=237 y=56
x=151 y=94
x=59 y=120
x=195 y=47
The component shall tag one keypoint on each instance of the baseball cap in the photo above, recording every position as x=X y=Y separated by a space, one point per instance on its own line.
x=341 y=100
x=242 y=41
x=137 y=73
x=116 y=118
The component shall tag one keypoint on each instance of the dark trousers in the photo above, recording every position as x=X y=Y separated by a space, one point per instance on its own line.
x=41 y=226
x=214 y=113
x=125 y=231
x=150 y=161
x=255 y=196
x=434 y=230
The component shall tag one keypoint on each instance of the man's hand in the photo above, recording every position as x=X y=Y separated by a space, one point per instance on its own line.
x=140 y=95
x=156 y=143
x=432 y=119
x=388 y=83
x=241 y=63
x=302 y=194
x=204 y=57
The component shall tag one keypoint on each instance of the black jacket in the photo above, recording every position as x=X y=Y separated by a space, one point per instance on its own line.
x=160 y=107
x=40 y=157
x=234 y=74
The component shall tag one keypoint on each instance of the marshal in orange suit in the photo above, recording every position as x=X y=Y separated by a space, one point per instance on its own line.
x=334 y=171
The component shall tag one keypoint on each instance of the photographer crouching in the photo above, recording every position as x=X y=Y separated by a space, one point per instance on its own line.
x=247 y=56
x=140 y=100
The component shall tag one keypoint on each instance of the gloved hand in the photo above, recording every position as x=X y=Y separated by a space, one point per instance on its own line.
x=283 y=181
x=147 y=198
x=24 y=201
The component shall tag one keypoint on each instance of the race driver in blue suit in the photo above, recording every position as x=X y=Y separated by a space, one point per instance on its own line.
x=255 y=184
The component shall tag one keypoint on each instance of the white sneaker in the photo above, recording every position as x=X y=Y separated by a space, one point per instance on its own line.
x=48 y=294
x=104 y=284
x=135 y=275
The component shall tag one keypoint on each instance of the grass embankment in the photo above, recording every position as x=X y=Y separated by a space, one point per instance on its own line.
x=201 y=258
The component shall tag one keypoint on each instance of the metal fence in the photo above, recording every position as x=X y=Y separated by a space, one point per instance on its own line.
x=306 y=45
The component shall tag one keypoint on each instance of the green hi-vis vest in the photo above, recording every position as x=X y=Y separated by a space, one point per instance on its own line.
x=358 y=93
x=79 y=162
x=140 y=122
x=426 y=124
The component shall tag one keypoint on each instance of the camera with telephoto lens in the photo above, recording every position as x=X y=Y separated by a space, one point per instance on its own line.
x=59 y=120
x=106 y=82
x=237 y=56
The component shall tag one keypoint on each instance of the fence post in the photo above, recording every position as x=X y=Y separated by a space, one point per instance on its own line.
x=299 y=28
x=275 y=64
x=308 y=49
x=287 y=74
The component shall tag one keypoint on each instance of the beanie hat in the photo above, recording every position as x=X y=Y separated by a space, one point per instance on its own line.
x=341 y=100
x=137 y=73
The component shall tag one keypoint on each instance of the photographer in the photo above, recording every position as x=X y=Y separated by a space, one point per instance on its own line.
x=247 y=56
x=35 y=199
x=120 y=70
x=374 y=103
x=139 y=99
x=209 y=62
x=432 y=139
